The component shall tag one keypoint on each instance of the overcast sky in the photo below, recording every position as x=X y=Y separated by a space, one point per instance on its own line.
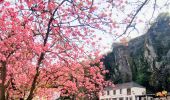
x=145 y=15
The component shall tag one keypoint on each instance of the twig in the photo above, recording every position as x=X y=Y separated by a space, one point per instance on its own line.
x=129 y=25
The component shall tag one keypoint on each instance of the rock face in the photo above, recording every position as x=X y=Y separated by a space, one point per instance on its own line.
x=121 y=59
x=145 y=60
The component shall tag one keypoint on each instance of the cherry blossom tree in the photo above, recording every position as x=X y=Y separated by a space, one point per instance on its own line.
x=42 y=48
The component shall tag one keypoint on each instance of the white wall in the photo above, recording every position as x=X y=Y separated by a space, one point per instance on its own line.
x=134 y=91
x=138 y=91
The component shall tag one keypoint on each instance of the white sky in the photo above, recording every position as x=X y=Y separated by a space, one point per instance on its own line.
x=144 y=15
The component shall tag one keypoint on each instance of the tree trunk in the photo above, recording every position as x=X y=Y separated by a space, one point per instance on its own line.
x=3 y=78
x=33 y=86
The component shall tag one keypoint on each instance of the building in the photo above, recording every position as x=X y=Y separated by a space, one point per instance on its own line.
x=125 y=91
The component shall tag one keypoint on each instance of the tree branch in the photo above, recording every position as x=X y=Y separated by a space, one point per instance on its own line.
x=133 y=18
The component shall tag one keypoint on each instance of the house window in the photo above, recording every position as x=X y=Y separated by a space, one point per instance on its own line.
x=103 y=93
x=130 y=98
x=128 y=91
x=108 y=92
x=120 y=91
x=126 y=98
x=114 y=98
x=120 y=98
x=151 y=98
x=114 y=92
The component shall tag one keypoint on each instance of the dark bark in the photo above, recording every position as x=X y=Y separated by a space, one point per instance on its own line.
x=3 y=78
x=31 y=94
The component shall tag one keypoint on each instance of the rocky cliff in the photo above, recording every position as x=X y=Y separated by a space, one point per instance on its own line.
x=145 y=60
